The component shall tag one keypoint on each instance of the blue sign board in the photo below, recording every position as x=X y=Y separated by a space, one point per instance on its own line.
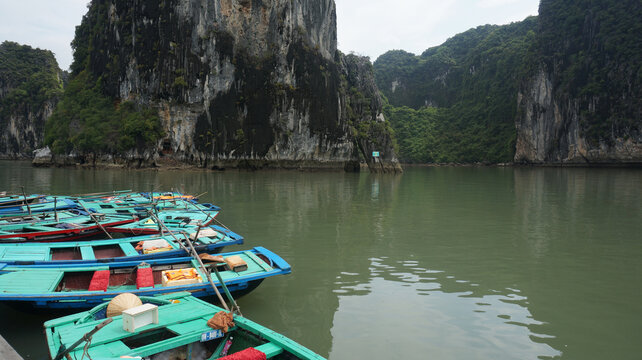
x=211 y=335
x=375 y=154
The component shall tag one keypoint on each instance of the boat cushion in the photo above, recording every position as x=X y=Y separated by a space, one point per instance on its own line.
x=144 y=277
x=100 y=280
x=247 y=354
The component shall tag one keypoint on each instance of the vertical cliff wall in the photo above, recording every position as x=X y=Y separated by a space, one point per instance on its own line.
x=582 y=103
x=30 y=85
x=235 y=82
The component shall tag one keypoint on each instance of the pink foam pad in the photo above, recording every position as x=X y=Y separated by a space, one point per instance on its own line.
x=100 y=280
x=247 y=354
x=144 y=277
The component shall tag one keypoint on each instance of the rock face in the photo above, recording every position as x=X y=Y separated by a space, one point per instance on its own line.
x=549 y=130
x=241 y=83
x=30 y=84
x=583 y=102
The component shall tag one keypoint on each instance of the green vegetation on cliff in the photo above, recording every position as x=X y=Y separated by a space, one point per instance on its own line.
x=89 y=122
x=89 y=119
x=593 y=51
x=461 y=95
x=28 y=78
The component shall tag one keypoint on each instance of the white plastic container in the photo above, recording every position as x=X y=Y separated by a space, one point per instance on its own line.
x=140 y=316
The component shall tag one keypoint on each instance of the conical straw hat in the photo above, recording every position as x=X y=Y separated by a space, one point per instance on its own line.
x=122 y=302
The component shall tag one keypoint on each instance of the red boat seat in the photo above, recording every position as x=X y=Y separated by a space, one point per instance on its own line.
x=247 y=354
x=144 y=277
x=99 y=281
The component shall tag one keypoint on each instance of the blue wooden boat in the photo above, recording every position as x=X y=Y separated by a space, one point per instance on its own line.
x=181 y=329
x=47 y=206
x=140 y=248
x=73 y=286
x=9 y=200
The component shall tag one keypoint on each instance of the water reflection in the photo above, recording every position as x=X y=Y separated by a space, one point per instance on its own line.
x=398 y=302
x=438 y=262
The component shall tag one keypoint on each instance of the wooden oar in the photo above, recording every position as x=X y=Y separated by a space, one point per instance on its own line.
x=91 y=215
x=114 y=192
x=194 y=254
x=26 y=203
x=209 y=277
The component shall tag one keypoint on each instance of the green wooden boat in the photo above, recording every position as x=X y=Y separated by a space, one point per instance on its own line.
x=139 y=205
x=181 y=330
x=62 y=229
x=42 y=217
x=173 y=220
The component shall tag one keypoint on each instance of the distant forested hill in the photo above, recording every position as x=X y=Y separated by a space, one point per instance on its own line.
x=457 y=102
x=563 y=87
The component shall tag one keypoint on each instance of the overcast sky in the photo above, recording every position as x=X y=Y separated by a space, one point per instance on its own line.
x=367 y=27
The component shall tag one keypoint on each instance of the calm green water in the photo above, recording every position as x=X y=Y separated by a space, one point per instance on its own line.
x=440 y=263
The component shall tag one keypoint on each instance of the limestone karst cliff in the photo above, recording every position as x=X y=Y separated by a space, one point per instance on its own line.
x=582 y=103
x=241 y=83
x=30 y=85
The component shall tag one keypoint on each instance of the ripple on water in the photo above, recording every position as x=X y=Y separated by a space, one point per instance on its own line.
x=459 y=318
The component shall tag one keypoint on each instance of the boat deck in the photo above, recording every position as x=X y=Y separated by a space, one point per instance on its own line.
x=186 y=319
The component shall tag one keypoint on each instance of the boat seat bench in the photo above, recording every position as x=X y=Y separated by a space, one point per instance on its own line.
x=87 y=253
x=128 y=249
x=270 y=349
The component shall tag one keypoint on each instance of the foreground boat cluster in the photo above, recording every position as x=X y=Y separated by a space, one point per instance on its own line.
x=158 y=250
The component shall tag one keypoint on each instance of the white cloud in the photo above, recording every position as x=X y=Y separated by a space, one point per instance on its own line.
x=368 y=27
x=374 y=27
x=495 y=3
x=42 y=24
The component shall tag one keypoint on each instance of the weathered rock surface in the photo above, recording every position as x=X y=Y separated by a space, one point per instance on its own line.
x=583 y=103
x=30 y=83
x=238 y=82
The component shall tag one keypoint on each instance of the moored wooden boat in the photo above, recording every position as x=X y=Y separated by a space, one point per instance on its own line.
x=140 y=205
x=7 y=200
x=181 y=329
x=61 y=230
x=42 y=217
x=174 y=220
x=47 y=206
x=114 y=250
x=82 y=286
